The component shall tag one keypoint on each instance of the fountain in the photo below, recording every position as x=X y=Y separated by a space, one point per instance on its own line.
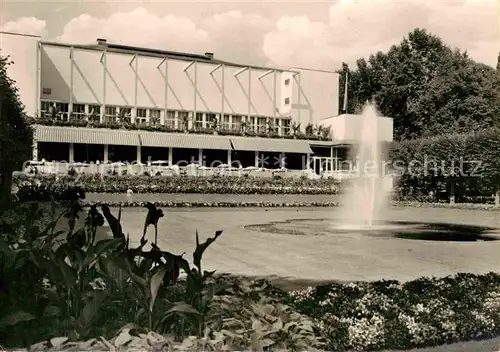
x=365 y=197
x=364 y=208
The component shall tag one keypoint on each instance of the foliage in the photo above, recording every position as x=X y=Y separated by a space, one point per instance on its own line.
x=16 y=136
x=43 y=187
x=154 y=126
x=79 y=284
x=426 y=87
x=389 y=314
x=468 y=161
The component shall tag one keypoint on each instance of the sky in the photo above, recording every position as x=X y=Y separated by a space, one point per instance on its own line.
x=302 y=33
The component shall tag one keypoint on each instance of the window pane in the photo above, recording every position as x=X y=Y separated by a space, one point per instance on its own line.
x=141 y=113
x=154 y=113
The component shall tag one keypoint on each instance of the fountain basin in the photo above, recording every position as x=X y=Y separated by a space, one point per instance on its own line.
x=428 y=231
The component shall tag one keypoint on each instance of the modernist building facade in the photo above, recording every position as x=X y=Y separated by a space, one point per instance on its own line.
x=105 y=84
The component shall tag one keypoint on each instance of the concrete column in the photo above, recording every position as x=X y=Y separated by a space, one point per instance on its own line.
x=71 y=153
x=106 y=149
x=308 y=161
x=256 y=159
x=282 y=160
x=229 y=161
x=332 y=156
x=138 y=154
x=452 y=192
x=200 y=156
x=336 y=159
x=170 y=156
x=35 y=150
x=163 y=116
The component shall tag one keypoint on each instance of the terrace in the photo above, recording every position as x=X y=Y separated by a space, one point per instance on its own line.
x=176 y=121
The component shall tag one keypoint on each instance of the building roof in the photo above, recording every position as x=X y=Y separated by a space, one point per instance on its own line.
x=151 y=52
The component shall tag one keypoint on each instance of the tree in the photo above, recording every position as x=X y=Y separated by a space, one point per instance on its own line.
x=427 y=88
x=16 y=135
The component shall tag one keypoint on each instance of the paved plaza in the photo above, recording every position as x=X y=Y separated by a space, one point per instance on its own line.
x=333 y=257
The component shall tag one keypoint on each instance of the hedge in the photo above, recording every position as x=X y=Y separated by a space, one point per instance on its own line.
x=41 y=187
x=460 y=165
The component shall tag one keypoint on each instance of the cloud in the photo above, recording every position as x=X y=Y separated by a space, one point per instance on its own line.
x=231 y=35
x=26 y=25
x=238 y=37
x=359 y=28
x=140 y=28
x=354 y=29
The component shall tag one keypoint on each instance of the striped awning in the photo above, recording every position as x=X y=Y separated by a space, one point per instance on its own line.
x=83 y=135
x=184 y=140
x=271 y=145
x=336 y=143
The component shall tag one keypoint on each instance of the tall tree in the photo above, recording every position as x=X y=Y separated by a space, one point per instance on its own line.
x=16 y=135
x=427 y=88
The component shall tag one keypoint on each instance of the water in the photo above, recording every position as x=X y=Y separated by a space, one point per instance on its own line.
x=365 y=198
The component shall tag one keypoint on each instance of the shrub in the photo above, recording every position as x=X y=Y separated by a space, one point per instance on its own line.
x=468 y=161
x=389 y=314
x=41 y=187
x=77 y=285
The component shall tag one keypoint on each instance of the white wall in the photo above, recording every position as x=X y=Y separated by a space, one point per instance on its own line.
x=348 y=126
x=120 y=83
x=320 y=95
x=23 y=52
x=320 y=89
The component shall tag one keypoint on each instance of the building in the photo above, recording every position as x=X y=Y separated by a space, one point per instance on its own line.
x=110 y=102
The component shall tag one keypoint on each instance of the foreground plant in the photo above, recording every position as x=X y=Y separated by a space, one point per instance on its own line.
x=81 y=284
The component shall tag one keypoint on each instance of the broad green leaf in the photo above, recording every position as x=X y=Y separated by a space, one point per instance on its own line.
x=58 y=341
x=93 y=306
x=69 y=274
x=200 y=248
x=51 y=311
x=183 y=307
x=155 y=283
x=15 y=318
x=278 y=324
x=104 y=246
x=264 y=343
x=123 y=338
x=256 y=325
x=4 y=247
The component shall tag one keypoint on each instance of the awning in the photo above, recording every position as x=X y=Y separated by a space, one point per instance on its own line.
x=272 y=145
x=337 y=143
x=184 y=140
x=83 y=135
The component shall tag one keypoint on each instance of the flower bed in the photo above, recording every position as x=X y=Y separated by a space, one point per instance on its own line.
x=41 y=187
x=236 y=204
x=470 y=206
x=388 y=314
